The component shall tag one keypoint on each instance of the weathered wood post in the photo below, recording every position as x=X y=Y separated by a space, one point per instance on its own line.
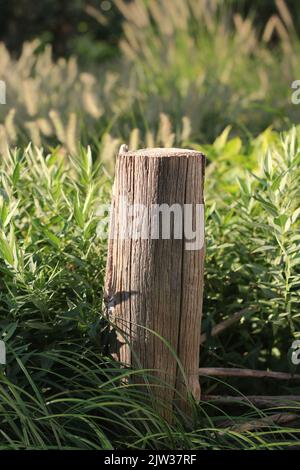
x=154 y=274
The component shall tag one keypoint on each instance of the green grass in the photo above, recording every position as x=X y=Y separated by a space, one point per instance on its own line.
x=76 y=398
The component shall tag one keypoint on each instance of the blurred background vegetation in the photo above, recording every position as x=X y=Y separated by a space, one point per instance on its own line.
x=77 y=69
x=91 y=29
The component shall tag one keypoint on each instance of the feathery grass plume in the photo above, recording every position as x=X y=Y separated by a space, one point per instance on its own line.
x=58 y=125
x=108 y=150
x=37 y=85
x=186 y=129
x=214 y=75
x=10 y=125
x=45 y=127
x=29 y=91
x=89 y=102
x=4 y=144
x=34 y=131
x=150 y=139
x=220 y=72
x=71 y=133
x=165 y=134
x=134 y=139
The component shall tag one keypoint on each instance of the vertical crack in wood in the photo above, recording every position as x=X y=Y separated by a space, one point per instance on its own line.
x=178 y=372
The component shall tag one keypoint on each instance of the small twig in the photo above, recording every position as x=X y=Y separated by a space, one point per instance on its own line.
x=256 y=400
x=267 y=421
x=259 y=374
x=216 y=330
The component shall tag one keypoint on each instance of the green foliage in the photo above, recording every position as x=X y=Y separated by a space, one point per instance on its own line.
x=51 y=259
x=253 y=257
x=61 y=389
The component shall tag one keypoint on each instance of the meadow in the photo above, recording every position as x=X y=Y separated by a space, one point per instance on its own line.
x=223 y=88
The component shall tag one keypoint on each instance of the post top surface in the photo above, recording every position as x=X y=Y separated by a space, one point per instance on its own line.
x=162 y=152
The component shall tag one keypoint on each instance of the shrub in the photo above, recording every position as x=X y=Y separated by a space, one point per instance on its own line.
x=252 y=259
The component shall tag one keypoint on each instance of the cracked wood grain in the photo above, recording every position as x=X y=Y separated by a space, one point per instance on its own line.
x=156 y=284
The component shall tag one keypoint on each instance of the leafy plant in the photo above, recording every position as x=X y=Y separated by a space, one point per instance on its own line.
x=61 y=388
x=253 y=260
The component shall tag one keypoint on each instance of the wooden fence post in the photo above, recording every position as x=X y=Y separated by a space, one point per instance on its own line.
x=157 y=283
